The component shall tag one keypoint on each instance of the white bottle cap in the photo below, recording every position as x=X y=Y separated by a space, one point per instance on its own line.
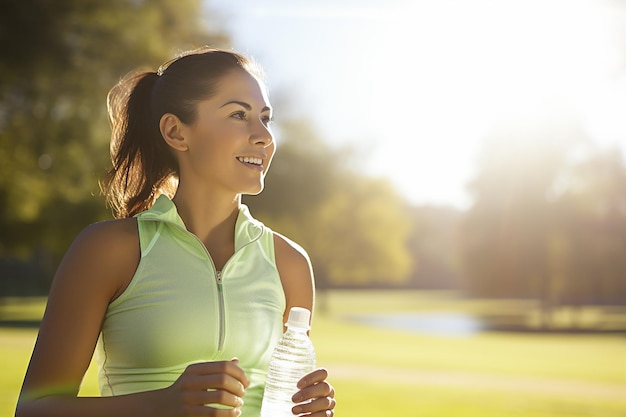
x=299 y=317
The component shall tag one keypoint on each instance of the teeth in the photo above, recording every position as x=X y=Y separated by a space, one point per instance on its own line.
x=249 y=160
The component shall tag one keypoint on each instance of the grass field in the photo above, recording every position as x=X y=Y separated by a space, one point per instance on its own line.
x=378 y=372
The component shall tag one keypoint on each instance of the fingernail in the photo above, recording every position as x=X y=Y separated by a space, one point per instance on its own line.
x=297 y=410
x=296 y=398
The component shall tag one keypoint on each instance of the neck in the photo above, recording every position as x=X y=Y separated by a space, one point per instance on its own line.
x=211 y=217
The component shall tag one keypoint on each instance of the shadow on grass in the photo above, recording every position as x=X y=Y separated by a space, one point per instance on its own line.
x=20 y=324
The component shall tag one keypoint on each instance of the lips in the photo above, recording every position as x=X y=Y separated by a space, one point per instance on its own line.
x=253 y=162
x=250 y=160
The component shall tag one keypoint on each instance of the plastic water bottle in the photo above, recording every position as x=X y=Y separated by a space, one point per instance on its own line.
x=293 y=358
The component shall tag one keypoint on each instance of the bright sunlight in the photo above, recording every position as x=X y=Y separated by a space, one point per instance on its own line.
x=417 y=85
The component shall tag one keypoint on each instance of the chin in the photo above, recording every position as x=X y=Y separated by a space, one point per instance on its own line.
x=255 y=191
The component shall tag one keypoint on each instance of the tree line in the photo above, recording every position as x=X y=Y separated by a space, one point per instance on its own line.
x=548 y=219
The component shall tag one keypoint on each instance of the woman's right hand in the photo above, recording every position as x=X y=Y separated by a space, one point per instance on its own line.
x=205 y=385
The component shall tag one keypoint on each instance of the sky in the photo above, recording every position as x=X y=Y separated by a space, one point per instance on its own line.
x=415 y=86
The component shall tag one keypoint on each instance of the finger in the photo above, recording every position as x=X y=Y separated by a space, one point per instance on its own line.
x=215 y=397
x=204 y=368
x=223 y=382
x=227 y=367
x=321 y=389
x=246 y=381
x=192 y=383
x=314 y=377
x=319 y=405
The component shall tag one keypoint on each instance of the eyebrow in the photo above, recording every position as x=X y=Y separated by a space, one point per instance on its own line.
x=244 y=105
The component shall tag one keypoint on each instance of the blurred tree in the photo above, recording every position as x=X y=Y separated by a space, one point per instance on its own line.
x=505 y=232
x=359 y=235
x=434 y=246
x=59 y=60
x=591 y=226
x=549 y=218
x=355 y=228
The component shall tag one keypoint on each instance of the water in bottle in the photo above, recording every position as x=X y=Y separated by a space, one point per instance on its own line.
x=293 y=358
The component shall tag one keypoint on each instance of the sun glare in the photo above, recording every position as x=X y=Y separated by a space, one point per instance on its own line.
x=468 y=65
x=420 y=83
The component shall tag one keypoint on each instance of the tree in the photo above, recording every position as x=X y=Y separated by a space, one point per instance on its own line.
x=434 y=247
x=506 y=231
x=59 y=60
x=549 y=219
x=592 y=227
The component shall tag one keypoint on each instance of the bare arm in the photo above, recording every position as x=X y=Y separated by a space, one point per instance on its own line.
x=96 y=269
x=91 y=274
x=296 y=275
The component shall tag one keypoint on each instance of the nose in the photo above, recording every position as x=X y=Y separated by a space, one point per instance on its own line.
x=262 y=135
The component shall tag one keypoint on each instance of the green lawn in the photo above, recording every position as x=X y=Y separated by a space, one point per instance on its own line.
x=378 y=372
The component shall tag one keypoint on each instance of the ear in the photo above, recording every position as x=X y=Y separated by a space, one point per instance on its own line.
x=172 y=131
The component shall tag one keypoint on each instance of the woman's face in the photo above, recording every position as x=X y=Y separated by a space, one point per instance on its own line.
x=230 y=145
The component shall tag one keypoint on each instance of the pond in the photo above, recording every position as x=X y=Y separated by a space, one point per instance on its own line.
x=440 y=323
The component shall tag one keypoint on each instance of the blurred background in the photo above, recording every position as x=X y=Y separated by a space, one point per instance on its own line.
x=455 y=170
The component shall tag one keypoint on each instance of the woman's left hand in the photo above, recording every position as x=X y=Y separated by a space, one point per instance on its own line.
x=315 y=388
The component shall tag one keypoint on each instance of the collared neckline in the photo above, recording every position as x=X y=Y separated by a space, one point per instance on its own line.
x=247 y=228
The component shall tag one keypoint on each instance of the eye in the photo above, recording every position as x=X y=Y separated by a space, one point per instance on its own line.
x=267 y=120
x=241 y=115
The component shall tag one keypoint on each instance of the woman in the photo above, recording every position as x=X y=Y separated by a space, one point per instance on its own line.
x=183 y=299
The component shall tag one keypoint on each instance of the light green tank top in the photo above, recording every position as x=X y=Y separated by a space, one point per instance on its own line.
x=178 y=310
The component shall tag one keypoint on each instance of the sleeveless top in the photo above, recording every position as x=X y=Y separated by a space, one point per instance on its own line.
x=178 y=310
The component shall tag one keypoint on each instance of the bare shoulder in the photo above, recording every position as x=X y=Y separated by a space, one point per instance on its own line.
x=107 y=251
x=289 y=251
x=109 y=241
x=122 y=230
x=296 y=272
x=96 y=268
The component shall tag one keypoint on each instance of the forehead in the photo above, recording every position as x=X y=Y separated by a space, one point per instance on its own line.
x=240 y=85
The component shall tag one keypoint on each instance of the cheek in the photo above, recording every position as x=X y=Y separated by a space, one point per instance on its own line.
x=210 y=142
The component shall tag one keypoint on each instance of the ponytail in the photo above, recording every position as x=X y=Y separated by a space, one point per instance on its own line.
x=143 y=166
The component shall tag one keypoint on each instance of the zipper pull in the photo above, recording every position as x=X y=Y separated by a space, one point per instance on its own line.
x=219 y=277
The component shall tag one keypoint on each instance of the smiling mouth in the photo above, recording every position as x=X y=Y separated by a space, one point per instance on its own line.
x=250 y=160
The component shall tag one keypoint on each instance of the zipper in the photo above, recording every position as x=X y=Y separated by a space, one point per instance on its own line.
x=218 y=281
x=222 y=314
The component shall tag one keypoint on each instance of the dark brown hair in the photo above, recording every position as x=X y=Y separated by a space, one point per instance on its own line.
x=143 y=164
